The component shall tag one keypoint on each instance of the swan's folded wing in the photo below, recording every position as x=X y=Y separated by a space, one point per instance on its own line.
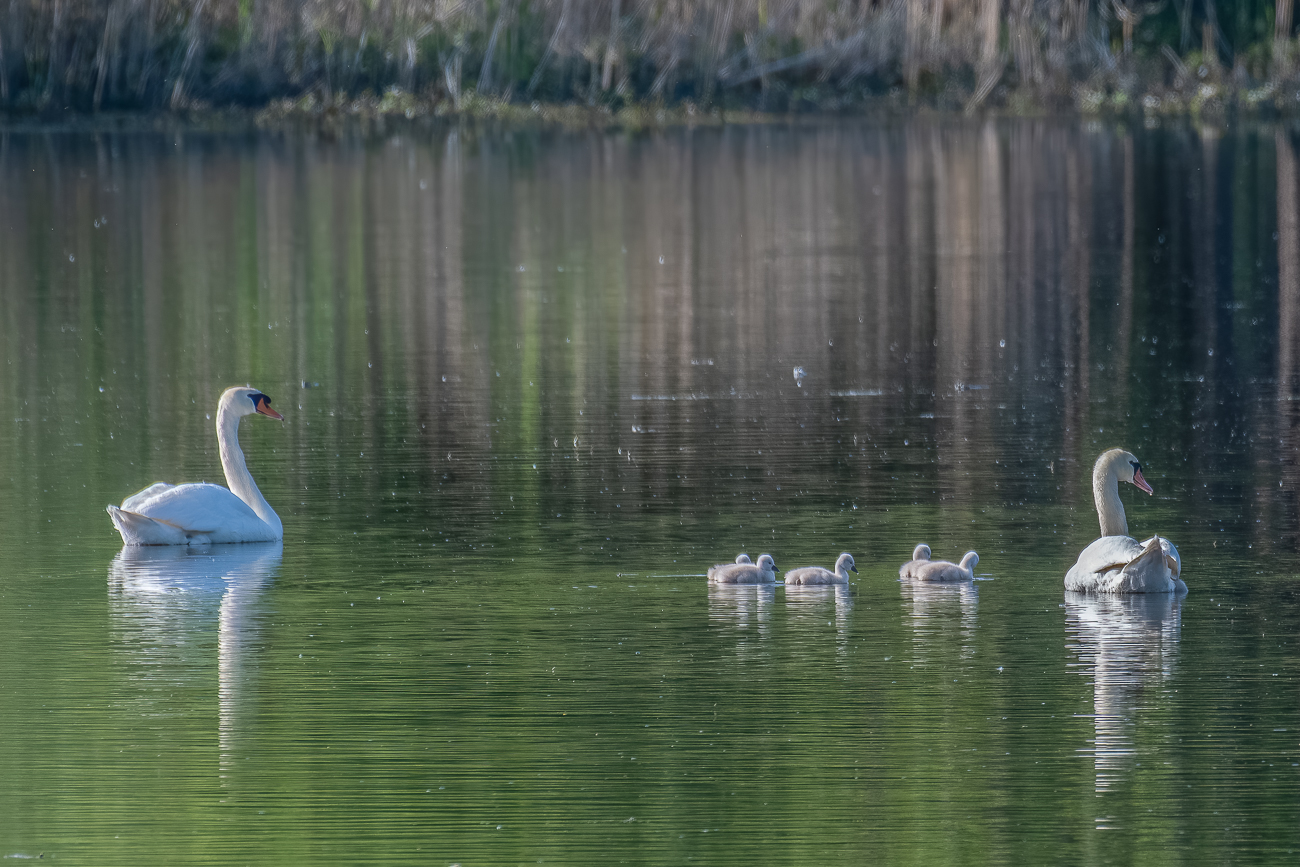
x=135 y=502
x=1108 y=552
x=206 y=509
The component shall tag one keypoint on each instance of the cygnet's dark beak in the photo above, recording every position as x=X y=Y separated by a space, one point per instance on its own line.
x=853 y=568
x=1141 y=482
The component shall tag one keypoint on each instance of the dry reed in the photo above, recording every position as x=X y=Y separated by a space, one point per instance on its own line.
x=773 y=54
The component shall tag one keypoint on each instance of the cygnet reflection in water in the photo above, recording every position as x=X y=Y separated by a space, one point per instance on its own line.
x=1128 y=645
x=940 y=612
x=166 y=600
x=746 y=611
x=821 y=605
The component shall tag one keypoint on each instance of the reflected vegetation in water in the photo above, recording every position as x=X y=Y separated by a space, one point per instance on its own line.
x=575 y=321
x=535 y=383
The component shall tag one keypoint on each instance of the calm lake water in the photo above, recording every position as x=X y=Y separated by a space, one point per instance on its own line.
x=536 y=383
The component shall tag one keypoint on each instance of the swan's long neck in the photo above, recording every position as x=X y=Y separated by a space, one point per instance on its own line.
x=1105 y=493
x=237 y=475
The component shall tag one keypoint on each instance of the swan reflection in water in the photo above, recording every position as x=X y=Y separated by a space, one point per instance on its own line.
x=743 y=607
x=1127 y=644
x=815 y=604
x=164 y=600
x=932 y=612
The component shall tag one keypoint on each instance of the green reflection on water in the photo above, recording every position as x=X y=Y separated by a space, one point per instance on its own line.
x=514 y=438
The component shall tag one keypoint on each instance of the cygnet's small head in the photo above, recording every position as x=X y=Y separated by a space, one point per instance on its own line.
x=922 y=552
x=968 y=562
x=766 y=563
x=243 y=401
x=743 y=559
x=846 y=562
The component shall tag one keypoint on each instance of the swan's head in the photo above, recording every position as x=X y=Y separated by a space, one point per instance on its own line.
x=1125 y=467
x=846 y=562
x=968 y=562
x=1129 y=469
x=766 y=563
x=922 y=552
x=243 y=401
x=743 y=559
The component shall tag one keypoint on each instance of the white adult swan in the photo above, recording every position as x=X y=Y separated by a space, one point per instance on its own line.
x=762 y=572
x=742 y=559
x=920 y=557
x=943 y=572
x=1118 y=563
x=817 y=575
x=203 y=514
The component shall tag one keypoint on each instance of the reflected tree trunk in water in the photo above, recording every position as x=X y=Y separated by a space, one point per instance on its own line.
x=1123 y=343
x=1076 y=319
x=1288 y=315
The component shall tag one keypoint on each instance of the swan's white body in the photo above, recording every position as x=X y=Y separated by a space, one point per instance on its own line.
x=943 y=572
x=1118 y=563
x=742 y=559
x=817 y=575
x=762 y=572
x=206 y=514
x=920 y=557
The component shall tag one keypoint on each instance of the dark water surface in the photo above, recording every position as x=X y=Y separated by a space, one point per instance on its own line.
x=535 y=384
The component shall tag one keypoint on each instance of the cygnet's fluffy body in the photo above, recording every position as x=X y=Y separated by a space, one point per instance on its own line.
x=920 y=557
x=941 y=571
x=817 y=575
x=762 y=572
x=742 y=559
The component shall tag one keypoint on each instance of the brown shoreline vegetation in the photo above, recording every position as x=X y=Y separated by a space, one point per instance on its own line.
x=645 y=62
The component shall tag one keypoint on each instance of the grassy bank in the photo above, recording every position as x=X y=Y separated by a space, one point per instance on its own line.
x=647 y=57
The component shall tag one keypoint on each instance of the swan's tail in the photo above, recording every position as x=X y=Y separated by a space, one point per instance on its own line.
x=1148 y=572
x=137 y=529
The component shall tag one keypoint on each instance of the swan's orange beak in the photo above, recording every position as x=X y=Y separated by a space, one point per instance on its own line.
x=1141 y=482
x=264 y=407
